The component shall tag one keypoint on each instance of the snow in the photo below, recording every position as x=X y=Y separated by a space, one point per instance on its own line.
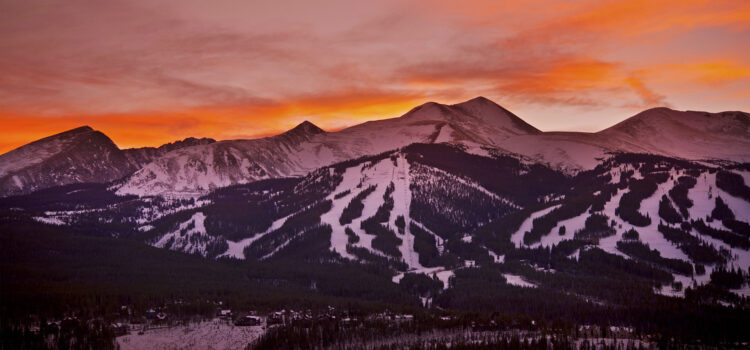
x=445 y=134
x=190 y=237
x=402 y=204
x=442 y=274
x=339 y=239
x=193 y=170
x=649 y=234
x=438 y=239
x=517 y=238
x=518 y=281
x=236 y=250
x=474 y=185
x=702 y=205
x=34 y=153
x=571 y=226
x=154 y=212
x=215 y=334
x=499 y=259
x=49 y=221
x=18 y=182
x=381 y=175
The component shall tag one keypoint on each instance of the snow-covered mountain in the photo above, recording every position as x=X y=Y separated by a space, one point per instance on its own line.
x=479 y=124
x=662 y=131
x=79 y=155
x=438 y=208
x=75 y=156
x=476 y=123
x=689 y=135
x=197 y=166
x=144 y=155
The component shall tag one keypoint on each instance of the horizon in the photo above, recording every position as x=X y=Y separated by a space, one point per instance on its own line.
x=147 y=74
x=253 y=137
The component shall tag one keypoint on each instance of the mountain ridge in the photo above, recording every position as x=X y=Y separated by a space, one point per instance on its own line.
x=198 y=165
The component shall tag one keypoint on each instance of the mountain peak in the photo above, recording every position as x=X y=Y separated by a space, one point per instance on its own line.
x=84 y=128
x=75 y=131
x=307 y=128
x=491 y=112
x=477 y=100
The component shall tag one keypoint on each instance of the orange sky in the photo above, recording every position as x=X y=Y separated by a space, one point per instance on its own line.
x=147 y=72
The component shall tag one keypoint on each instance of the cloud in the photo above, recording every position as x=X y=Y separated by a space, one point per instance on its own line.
x=650 y=98
x=233 y=68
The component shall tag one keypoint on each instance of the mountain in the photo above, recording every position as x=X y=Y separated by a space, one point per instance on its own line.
x=438 y=209
x=483 y=214
x=689 y=135
x=200 y=168
x=79 y=155
x=661 y=131
x=144 y=155
x=196 y=166
x=476 y=123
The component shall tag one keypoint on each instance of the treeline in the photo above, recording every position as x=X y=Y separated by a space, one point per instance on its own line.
x=679 y=194
x=353 y=210
x=698 y=250
x=733 y=184
x=293 y=227
x=732 y=239
x=639 y=189
x=597 y=226
x=569 y=209
x=668 y=212
x=506 y=176
x=643 y=252
x=92 y=277
x=385 y=239
x=446 y=205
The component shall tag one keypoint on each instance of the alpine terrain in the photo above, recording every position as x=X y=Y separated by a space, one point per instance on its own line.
x=462 y=214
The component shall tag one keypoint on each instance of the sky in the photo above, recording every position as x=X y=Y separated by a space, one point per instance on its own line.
x=149 y=72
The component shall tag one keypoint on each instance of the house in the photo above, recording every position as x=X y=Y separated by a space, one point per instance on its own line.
x=248 y=321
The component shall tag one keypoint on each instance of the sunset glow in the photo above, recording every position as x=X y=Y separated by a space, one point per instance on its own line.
x=147 y=73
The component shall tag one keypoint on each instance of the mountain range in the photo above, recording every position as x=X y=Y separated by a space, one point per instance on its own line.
x=196 y=166
x=660 y=198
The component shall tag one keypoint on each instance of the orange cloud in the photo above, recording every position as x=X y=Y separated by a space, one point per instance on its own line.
x=247 y=71
x=330 y=112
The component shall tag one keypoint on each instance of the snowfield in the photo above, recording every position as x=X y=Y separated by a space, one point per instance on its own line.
x=208 y=335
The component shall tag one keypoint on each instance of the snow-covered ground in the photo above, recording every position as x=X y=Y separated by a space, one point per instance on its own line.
x=214 y=335
x=381 y=175
x=517 y=238
x=442 y=274
x=190 y=237
x=49 y=220
x=518 y=281
x=571 y=226
x=237 y=249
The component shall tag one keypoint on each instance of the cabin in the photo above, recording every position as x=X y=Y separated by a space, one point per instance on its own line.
x=247 y=321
